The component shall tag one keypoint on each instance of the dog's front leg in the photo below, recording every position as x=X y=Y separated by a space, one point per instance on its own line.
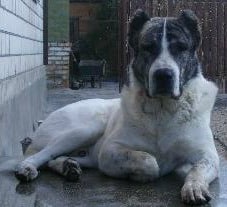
x=118 y=161
x=195 y=189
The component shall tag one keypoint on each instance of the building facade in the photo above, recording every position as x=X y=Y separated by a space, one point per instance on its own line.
x=70 y=22
x=58 y=43
x=86 y=12
x=60 y=15
x=22 y=73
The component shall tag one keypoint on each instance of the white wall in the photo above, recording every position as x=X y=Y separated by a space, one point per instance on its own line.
x=22 y=73
x=21 y=36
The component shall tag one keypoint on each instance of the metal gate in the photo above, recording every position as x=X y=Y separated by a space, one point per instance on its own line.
x=213 y=17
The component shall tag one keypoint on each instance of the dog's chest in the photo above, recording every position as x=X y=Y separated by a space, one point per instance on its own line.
x=165 y=145
x=161 y=117
x=159 y=127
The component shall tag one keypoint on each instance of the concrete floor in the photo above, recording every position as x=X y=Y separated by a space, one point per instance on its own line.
x=97 y=190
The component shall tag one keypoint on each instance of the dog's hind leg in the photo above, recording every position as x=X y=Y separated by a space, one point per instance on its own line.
x=69 y=167
x=81 y=137
x=66 y=166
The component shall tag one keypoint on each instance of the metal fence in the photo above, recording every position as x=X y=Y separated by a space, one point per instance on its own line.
x=213 y=17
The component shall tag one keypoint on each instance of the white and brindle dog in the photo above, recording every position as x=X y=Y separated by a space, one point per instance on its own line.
x=161 y=122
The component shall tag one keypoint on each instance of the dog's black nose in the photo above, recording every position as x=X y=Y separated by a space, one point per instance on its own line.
x=163 y=74
x=164 y=81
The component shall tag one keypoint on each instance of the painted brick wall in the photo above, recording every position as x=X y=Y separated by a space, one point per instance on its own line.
x=58 y=61
x=21 y=36
x=59 y=44
x=22 y=74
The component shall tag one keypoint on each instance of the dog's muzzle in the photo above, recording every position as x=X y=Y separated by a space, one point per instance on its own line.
x=163 y=80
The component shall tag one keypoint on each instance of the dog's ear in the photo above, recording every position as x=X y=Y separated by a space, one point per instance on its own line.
x=192 y=23
x=135 y=25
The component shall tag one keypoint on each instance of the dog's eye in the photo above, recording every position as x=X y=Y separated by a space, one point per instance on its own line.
x=178 y=47
x=150 y=47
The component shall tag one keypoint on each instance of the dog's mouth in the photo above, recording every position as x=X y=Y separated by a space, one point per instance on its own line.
x=162 y=94
x=163 y=83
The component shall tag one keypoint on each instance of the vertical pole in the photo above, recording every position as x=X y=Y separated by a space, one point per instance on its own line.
x=45 y=32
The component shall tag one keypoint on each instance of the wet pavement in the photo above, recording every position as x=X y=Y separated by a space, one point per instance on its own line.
x=97 y=190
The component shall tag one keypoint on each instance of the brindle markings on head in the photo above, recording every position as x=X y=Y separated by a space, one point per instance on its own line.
x=165 y=60
x=164 y=43
x=149 y=49
x=184 y=40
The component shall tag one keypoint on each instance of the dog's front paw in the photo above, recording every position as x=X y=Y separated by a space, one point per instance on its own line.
x=195 y=193
x=26 y=172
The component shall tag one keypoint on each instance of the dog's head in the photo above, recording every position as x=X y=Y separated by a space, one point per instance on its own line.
x=165 y=52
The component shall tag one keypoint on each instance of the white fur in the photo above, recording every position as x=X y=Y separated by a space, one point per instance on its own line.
x=136 y=136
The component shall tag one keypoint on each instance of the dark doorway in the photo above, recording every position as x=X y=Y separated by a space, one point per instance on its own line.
x=94 y=33
x=74 y=29
x=74 y=54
